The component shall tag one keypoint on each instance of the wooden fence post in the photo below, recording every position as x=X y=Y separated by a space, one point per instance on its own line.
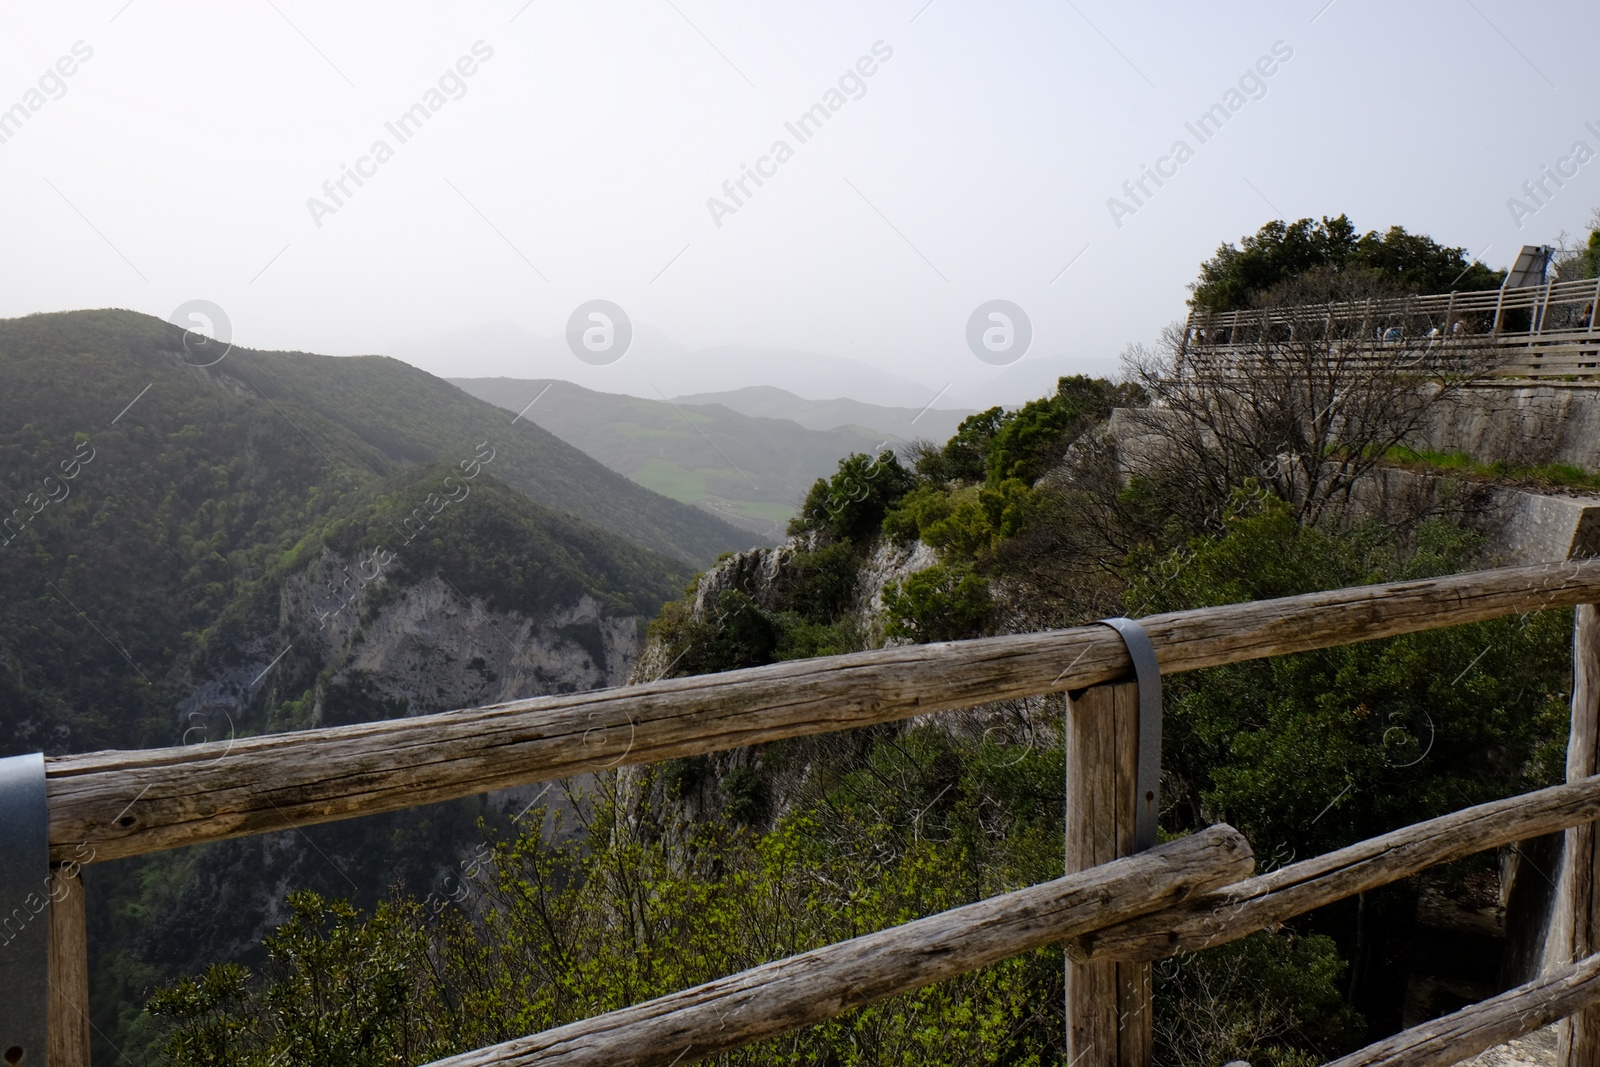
x=1108 y=1003
x=1576 y=922
x=69 y=974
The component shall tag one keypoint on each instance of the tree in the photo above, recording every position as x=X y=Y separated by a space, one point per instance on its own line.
x=965 y=457
x=946 y=602
x=1235 y=278
x=851 y=504
x=997 y=444
x=1574 y=264
x=1031 y=440
x=1307 y=404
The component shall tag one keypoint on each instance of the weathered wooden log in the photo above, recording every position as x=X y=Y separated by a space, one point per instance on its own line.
x=69 y=973
x=1109 y=1020
x=1453 y=1038
x=1573 y=928
x=775 y=998
x=127 y=803
x=1269 y=899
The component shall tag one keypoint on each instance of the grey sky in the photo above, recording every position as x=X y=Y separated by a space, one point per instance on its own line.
x=976 y=165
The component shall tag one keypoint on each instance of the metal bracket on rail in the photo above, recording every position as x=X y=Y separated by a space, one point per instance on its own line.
x=24 y=911
x=1147 y=672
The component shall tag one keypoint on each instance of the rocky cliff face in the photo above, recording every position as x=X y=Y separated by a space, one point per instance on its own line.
x=433 y=648
x=379 y=648
x=760 y=572
x=346 y=651
x=888 y=564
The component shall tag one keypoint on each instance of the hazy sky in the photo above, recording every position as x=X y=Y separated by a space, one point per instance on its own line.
x=577 y=160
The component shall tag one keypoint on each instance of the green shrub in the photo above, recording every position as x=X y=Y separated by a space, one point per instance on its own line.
x=738 y=633
x=819 y=585
x=942 y=603
x=745 y=791
x=1267 y=1000
x=1309 y=752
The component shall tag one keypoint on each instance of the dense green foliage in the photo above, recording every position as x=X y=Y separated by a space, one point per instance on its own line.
x=806 y=613
x=977 y=495
x=1030 y=440
x=966 y=499
x=1233 y=277
x=851 y=504
x=492 y=545
x=1310 y=752
x=945 y=602
x=965 y=457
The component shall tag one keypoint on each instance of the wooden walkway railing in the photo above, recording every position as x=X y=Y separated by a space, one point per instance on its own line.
x=1539 y=331
x=1116 y=911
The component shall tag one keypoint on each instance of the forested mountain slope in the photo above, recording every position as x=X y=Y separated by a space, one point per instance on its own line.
x=147 y=499
x=192 y=553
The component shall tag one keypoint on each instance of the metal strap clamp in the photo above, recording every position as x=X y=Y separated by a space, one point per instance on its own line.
x=24 y=911
x=1147 y=672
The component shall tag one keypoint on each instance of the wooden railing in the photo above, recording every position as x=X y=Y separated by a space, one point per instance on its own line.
x=1539 y=331
x=1115 y=910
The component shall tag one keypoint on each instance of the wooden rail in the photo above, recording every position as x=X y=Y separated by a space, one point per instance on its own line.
x=107 y=805
x=1269 y=899
x=1115 y=911
x=1515 y=1012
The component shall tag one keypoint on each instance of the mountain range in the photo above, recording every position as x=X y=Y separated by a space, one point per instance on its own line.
x=657 y=367
x=894 y=423
x=198 y=544
x=748 y=455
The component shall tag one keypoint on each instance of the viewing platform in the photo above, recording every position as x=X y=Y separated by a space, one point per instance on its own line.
x=1545 y=330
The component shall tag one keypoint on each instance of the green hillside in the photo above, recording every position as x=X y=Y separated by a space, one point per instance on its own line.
x=751 y=470
x=158 y=522
x=132 y=532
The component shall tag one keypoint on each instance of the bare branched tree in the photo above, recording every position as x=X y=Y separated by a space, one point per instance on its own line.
x=1306 y=395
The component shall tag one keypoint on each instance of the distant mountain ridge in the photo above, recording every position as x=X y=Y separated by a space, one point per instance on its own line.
x=751 y=470
x=894 y=423
x=657 y=367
